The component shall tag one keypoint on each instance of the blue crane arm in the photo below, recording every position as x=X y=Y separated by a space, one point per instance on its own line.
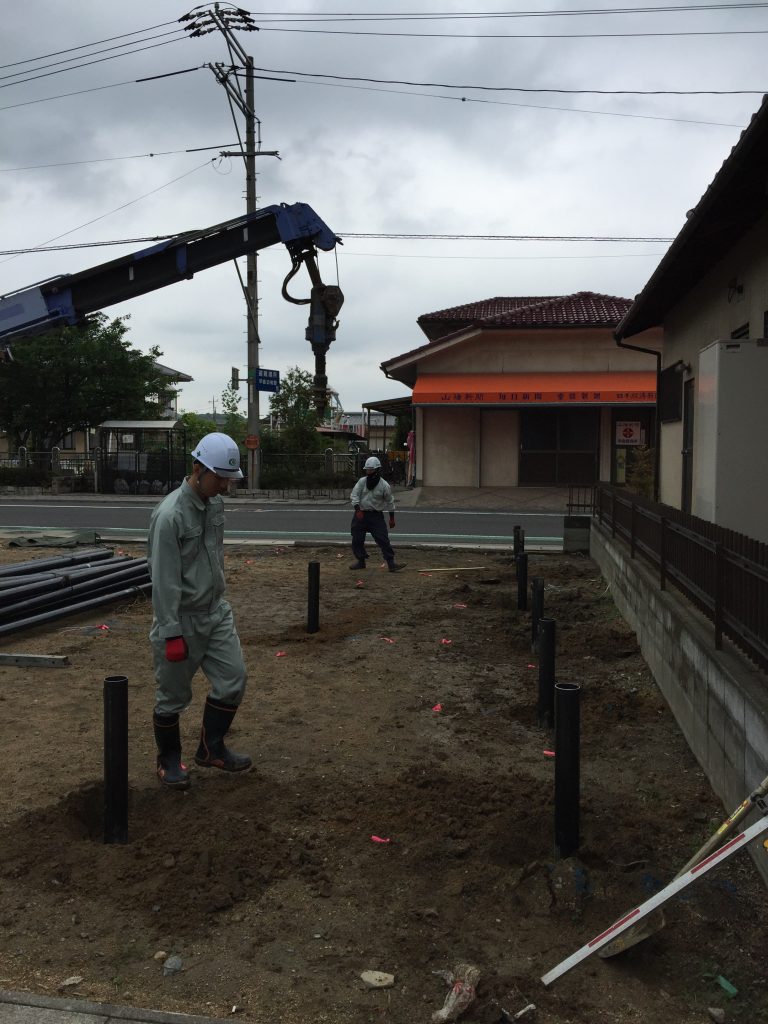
x=70 y=298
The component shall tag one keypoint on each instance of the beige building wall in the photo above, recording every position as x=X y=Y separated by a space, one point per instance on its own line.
x=545 y=351
x=711 y=311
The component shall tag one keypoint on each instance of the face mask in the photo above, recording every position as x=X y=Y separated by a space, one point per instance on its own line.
x=372 y=479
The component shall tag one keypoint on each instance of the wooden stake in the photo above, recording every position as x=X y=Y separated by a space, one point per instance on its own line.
x=51 y=660
x=457 y=568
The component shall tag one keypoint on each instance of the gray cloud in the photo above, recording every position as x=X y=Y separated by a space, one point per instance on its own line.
x=367 y=161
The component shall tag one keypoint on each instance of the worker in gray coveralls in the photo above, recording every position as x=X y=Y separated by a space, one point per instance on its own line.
x=193 y=626
x=371 y=497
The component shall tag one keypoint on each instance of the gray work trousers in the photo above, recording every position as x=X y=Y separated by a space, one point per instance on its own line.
x=214 y=647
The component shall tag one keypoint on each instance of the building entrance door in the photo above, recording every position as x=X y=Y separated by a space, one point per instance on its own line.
x=559 y=446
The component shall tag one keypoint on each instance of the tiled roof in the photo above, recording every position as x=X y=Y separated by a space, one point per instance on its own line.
x=582 y=309
x=486 y=307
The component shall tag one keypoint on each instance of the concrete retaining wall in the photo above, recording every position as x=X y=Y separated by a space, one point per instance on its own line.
x=719 y=700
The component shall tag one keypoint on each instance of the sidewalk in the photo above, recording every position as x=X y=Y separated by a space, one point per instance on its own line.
x=488 y=499
x=27 y=1008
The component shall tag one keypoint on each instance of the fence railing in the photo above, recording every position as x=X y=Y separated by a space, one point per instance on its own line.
x=56 y=460
x=327 y=470
x=723 y=573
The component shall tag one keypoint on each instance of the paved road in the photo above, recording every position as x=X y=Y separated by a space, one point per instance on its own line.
x=287 y=522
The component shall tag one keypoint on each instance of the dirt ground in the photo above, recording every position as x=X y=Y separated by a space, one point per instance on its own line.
x=271 y=888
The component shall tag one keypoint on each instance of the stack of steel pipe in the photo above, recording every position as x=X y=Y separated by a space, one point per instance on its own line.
x=45 y=589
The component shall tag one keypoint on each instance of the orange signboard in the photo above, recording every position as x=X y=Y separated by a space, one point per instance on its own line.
x=252 y=441
x=514 y=389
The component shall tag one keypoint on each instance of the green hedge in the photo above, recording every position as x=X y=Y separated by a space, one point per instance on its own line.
x=275 y=478
x=21 y=476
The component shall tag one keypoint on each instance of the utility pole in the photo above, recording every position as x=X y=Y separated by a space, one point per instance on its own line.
x=252 y=288
x=225 y=18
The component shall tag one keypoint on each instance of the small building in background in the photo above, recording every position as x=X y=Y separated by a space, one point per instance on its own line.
x=529 y=390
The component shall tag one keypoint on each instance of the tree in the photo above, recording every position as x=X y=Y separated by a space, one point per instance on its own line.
x=294 y=410
x=235 y=423
x=75 y=378
x=196 y=426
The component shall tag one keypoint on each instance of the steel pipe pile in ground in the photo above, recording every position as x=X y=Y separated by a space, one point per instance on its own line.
x=71 y=589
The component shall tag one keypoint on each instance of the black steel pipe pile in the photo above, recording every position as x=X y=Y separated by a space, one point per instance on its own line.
x=56 y=562
x=69 y=588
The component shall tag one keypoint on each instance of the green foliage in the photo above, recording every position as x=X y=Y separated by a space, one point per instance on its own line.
x=24 y=476
x=75 y=378
x=294 y=412
x=286 y=471
x=640 y=470
x=197 y=426
x=235 y=424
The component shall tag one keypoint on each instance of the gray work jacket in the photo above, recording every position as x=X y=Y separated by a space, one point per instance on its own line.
x=378 y=498
x=186 y=557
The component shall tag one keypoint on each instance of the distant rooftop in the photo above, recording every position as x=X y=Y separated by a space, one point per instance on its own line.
x=582 y=309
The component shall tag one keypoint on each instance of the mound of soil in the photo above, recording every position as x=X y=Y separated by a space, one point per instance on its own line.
x=376 y=832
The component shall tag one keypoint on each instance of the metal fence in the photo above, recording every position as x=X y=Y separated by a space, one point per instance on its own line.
x=70 y=470
x=723 y=573
x=326 y=471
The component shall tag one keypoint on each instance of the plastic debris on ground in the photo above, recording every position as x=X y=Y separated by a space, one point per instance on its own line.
x=463 y=980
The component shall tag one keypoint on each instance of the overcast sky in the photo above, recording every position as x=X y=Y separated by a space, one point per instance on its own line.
x=368 y=157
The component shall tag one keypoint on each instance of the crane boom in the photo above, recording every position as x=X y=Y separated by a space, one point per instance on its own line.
x=68 y=299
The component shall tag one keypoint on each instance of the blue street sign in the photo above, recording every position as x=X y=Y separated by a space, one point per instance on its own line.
x=266 y=380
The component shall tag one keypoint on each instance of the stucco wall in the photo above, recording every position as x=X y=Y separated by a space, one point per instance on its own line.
x=711 y=312
x=544 y=351
x=719 y=701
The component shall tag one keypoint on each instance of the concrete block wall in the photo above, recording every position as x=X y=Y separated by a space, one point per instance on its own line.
x=720 y=701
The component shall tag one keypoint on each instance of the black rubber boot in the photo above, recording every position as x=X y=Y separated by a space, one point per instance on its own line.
x=394 y=567
x=170 y=769
x=212 y=752
x=358 y=565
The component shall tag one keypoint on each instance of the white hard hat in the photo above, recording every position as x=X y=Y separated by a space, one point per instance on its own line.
x=219 y=453
x=372 y=463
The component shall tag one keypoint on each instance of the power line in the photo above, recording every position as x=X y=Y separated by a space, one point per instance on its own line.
x=398 y=92
x=478 y=15
x=513 y=35
x=109 y=213
x=401 y=236
x=85 y=64
x=504 y=238
x=85 y=46
x=70 y=60
x=96 y=88
x=510 y=103
x=523 y=89
x=109 y=159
